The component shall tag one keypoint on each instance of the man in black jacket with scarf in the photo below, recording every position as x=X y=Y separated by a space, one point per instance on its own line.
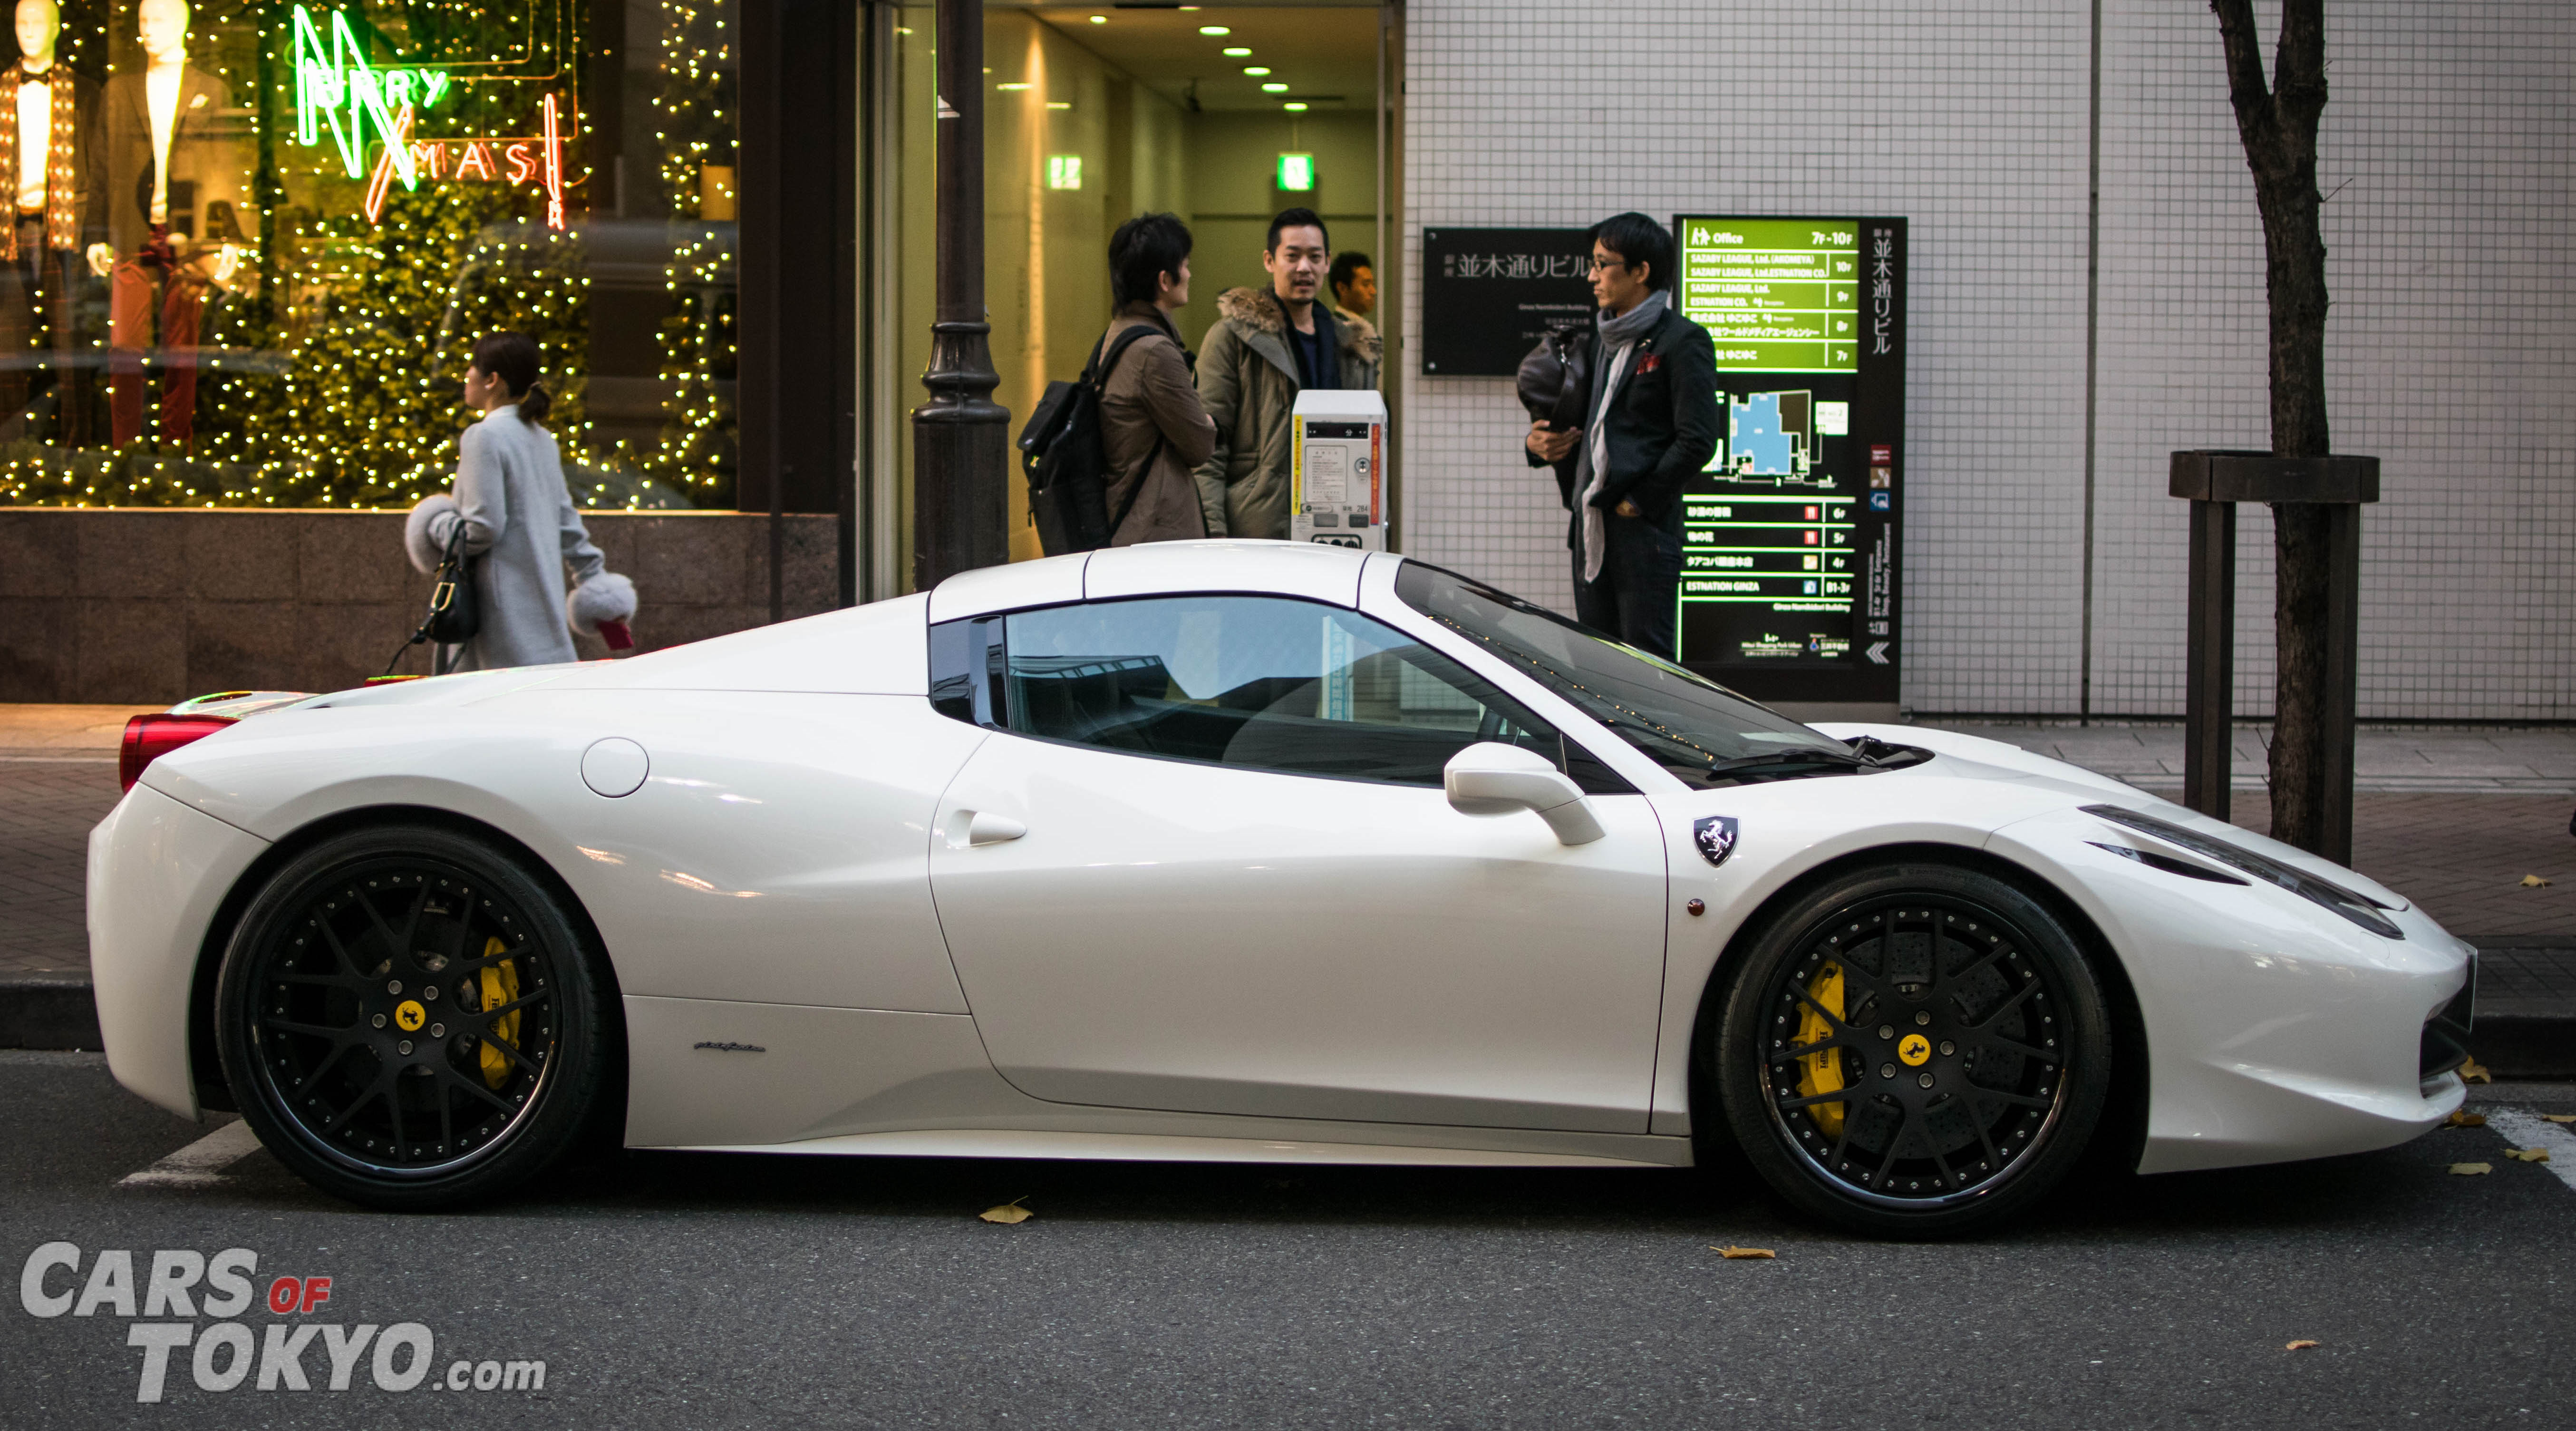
x=1652 y=427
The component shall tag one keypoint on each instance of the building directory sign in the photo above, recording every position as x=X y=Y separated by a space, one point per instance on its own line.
x=1489 y=295
x=1790 y=542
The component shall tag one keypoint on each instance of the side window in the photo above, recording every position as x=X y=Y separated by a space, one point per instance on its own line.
x=1265 y=682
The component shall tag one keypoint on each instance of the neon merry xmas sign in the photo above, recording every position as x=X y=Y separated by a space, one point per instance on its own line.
x=364 y=107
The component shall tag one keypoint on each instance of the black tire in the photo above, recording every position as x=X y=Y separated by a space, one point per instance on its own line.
x=1977 y=1051
x=411 y=1019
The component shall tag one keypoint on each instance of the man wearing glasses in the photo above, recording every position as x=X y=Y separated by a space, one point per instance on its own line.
x=1653 y=423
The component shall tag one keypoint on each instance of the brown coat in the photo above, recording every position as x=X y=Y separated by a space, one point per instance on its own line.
x=1150 y=395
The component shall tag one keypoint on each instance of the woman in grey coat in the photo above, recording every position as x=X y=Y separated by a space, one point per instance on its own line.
x=520 y=521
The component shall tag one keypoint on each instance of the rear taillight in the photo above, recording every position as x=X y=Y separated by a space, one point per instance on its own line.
x=149 y=737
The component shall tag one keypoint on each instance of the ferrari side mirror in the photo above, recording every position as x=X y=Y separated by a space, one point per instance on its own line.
x=1490 y=778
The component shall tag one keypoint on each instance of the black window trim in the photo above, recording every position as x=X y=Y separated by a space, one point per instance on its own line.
x=972 y=691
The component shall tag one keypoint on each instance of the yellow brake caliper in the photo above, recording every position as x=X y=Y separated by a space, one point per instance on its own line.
x=1817 y=1072
x=501 y=986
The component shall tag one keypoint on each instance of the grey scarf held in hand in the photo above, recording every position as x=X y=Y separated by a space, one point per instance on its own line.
x=1609 y=367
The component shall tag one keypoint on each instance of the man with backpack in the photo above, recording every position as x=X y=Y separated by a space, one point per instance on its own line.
x=1109 y=455
x=1268 y=345
x=1152 y=429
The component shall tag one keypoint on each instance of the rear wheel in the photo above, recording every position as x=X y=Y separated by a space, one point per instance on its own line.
x=409 y=1019
x=1913 y=1050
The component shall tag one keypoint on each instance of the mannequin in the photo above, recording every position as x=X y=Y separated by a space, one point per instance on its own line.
x=48 y=149
x=170 y=163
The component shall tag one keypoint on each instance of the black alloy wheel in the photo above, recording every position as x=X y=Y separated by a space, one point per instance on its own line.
x=409 y=1019
x=1913 y=1050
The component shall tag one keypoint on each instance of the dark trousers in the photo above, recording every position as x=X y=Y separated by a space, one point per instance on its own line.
x=38 y=372
x=1641 y=576
x=137 y=290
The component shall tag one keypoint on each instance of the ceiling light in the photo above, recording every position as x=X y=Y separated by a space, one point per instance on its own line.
x=1100 y=19
x=1238 y=51
x=1214 y=30
x=1274 y=87
x=1295 y=106
x=1059 y=104
x=1011 y=87
x=1256 y=71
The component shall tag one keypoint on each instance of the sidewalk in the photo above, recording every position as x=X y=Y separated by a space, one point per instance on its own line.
x=2451 y=819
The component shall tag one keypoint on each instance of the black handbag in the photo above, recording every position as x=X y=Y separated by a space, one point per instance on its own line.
x=1555 y=380
x=455 y=612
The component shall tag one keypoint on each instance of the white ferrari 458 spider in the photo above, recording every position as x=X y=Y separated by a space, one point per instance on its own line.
x=1220 y=850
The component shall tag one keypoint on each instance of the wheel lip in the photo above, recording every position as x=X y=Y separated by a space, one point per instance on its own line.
x=1824 y=1178
x=279 y=1110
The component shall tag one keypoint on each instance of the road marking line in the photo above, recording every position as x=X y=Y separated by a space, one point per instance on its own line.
x=201 y=1164
x=57 y=760
x=2529 y=1130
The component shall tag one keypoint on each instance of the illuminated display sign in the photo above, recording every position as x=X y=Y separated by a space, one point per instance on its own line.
x=1296 y=173
x=362 y=107
x=1790 y=541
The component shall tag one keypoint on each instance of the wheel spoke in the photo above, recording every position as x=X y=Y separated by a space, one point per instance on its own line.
x=1803 y=1050
x=345 y=1034
x=512 y=1051
x=323 y=1067
x=2007 y=1006
x=411 y=921
x=1983 y=961
x=1840 y=1028
x=360 y=1101
x=1840 y=1095
x=2020 y=1100
x=2010 y=1046
x=393 y=1105
x=340 y=951
x=485 y=961
x=498 y=1010
x=1948 y=1177
x=1994 y=1155
x=477 y=1089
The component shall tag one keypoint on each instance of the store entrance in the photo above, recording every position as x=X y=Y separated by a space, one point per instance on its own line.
x=1223 y=114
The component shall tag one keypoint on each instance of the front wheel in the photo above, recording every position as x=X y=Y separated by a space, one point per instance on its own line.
x=1913 y=1050
x=409 y=1019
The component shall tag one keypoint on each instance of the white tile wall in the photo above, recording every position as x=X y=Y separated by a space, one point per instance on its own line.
x=2449 y=131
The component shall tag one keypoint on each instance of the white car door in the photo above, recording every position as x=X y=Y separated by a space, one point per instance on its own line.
x=1206 y=865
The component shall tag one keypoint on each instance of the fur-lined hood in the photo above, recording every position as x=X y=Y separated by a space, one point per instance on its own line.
x=1256 y=311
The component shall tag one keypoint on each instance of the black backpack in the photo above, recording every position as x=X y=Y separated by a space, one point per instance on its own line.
x=1066 y=466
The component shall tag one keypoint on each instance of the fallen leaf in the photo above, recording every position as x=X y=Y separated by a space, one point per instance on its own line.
x=2465 y=1119
x=2528 y=1155
x=2558 y=1117
x=1731 y=1252
x=2470 y=1170
x=2302 y=1344
x=2534 y=882
x=2472 y=1071
x=1008 y=1213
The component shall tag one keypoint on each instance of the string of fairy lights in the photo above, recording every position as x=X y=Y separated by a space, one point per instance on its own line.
x=336 y=385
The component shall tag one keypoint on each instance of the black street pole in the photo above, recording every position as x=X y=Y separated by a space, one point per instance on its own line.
x=960 y=438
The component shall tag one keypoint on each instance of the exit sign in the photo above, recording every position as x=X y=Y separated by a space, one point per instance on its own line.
x=1064 y=171
x=1296 y=173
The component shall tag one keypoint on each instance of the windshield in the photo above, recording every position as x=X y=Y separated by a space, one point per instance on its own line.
x=1690 y=725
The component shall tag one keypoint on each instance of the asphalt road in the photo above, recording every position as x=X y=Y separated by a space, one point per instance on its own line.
x=687 y=1290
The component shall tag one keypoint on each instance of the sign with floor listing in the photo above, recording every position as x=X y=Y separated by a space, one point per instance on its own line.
x=1791 y=536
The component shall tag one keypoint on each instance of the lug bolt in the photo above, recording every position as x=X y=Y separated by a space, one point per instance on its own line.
x=393 y=986
x=380 y=1021
x=403 y=1047
x=1887 y=1070
x=438 y=1030
x=429 y=991
x=1887 y=1030
x=1948 y=1048
x=1925 y=1080
x=1922 y=1018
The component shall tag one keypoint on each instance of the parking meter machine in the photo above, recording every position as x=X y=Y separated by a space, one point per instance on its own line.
x=1336 y=487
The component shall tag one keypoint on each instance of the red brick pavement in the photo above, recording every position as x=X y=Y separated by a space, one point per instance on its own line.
x=46 y=811
x=2462 y=857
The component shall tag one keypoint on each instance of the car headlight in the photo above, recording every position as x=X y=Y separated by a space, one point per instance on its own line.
x=2360 y=909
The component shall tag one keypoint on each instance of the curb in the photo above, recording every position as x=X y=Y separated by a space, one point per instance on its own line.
x=50 y=1010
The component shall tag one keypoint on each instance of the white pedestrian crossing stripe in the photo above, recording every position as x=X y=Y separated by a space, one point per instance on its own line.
x=2525 y=1129
x=201 y=1163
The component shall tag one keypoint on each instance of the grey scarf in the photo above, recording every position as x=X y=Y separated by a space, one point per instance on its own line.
x=1609 y=368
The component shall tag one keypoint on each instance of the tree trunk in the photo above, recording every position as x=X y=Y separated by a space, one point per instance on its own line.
x=2278 y=124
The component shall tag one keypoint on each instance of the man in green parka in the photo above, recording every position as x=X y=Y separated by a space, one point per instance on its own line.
x=1267 y=346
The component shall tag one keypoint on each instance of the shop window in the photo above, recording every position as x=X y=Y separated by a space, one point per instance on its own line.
x=254 y=243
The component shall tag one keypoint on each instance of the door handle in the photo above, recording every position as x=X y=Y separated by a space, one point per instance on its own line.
x=983 y=827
